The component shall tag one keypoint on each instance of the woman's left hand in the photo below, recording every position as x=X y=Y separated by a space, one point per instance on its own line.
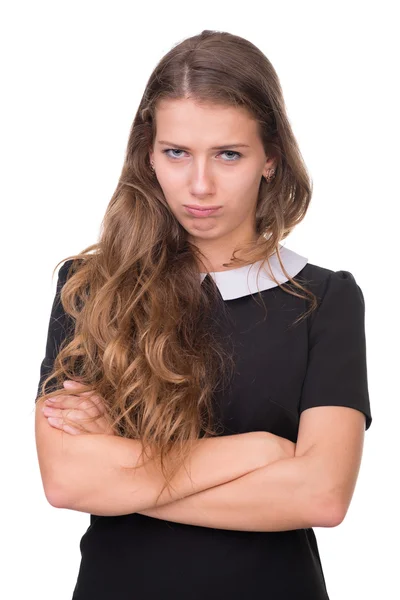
x=76 y=408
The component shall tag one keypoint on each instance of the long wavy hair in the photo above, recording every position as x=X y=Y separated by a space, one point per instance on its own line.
x=144 y=337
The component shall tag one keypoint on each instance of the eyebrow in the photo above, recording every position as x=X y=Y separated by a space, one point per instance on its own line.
x=213 y=148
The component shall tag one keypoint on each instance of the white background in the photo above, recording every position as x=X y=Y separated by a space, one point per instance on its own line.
x=72 y=77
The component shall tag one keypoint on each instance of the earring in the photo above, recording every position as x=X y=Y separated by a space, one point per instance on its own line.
x=152 y=166
x=270 y=176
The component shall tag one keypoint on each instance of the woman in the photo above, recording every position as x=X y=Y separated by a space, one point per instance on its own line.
x=209 y=385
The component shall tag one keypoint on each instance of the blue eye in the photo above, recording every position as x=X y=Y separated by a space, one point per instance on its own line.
x=173 y=156
x=232 y=152
x=172 y=150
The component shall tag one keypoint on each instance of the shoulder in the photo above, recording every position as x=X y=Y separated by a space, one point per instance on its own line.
x=321 y=280
x=340 y=300
x=67 y=268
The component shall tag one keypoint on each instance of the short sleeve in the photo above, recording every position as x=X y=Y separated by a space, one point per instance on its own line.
x=337 y=367
x=60 y=327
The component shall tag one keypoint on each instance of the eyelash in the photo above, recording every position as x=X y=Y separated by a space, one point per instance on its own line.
x=239 y=155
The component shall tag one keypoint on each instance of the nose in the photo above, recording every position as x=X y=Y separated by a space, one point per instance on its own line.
x=201 y=178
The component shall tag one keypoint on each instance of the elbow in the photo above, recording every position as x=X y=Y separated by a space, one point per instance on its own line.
x=330 y=512
x=55 y=490
x=51 y=487
x=54 y=496
x=334 y=517
x=59 y=499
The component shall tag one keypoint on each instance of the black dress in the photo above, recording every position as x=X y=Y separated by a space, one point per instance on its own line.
x=280 y=371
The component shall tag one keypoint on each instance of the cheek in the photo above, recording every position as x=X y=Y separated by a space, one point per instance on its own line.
x=170 y=179
x=172 y=187
x=175 y=205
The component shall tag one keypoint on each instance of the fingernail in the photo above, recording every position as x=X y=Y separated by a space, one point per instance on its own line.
x=51 y=400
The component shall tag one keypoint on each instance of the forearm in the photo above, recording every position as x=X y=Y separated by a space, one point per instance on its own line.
x=278 y=497
x=93 y=477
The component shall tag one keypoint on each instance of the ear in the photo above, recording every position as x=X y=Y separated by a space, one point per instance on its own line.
x=269 y=164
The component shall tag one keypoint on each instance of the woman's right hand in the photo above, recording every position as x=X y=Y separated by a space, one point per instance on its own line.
x=75 y=409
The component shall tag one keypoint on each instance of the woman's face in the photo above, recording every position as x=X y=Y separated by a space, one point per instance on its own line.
x=191 y=171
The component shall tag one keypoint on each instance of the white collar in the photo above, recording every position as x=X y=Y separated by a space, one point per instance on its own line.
x=242 y=281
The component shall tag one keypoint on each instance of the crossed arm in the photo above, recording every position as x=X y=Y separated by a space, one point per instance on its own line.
x=310 y=486
x=277 y=497
x=95 y=473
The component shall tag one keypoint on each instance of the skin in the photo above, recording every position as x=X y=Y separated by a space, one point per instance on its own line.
x=229 y=177
x=315 y=485
x=76 y=408
x=208 y=177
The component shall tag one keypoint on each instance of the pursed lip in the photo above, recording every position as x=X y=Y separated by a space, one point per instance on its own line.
x=202 y=213
x=199 y=207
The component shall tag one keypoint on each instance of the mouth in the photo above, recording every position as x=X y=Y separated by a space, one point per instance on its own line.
x=202 y=212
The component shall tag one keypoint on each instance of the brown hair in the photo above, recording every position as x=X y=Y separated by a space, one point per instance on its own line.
x=144 y=338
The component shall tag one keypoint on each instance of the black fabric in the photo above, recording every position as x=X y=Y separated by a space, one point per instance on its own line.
x=60 y=329
x=337 y=369
x=281 y=370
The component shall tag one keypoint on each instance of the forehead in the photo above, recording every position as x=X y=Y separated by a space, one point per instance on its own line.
x=186 y=120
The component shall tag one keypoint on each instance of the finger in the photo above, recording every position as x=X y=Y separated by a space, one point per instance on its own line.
x=68 y=413
x=92 y=428
x=66 y=401
x=59 y=424
x=78 y=416
x=93 y=406
x=95 y=398
x=68 y=418
x=101 y=425
x=51 y=412
x=72 y=385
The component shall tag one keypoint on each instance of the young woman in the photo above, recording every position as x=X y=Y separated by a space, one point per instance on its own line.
x=208 y=384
